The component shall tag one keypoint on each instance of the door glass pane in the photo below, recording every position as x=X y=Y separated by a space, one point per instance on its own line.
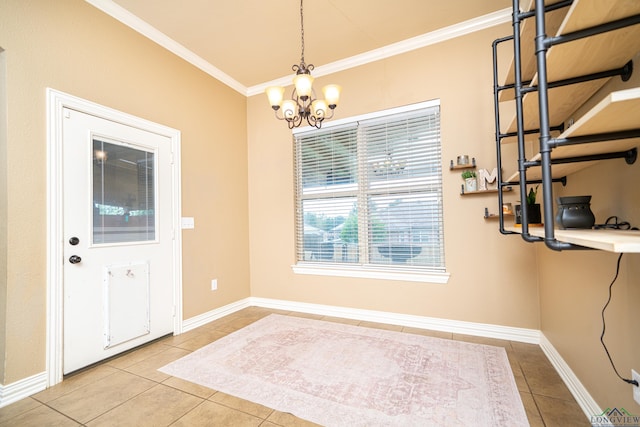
x=123 y=194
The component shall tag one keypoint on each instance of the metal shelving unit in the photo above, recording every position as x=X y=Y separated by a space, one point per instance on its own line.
x=594 y=41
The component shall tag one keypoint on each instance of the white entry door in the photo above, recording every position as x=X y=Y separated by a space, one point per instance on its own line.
x=117 y=209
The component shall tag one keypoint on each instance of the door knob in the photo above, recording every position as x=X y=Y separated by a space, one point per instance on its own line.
x=74 y=259
x=74 y=241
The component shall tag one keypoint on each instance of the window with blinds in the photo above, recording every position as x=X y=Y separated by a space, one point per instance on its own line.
x=369 y=192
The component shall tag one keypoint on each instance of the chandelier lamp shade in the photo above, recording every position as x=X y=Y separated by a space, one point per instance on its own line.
x=304 y=104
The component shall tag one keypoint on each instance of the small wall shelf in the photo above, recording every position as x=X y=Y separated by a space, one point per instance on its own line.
x=497 y=216
x=493 y=190
x=472 y=165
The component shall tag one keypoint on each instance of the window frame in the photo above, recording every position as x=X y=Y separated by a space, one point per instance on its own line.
x=363 y=269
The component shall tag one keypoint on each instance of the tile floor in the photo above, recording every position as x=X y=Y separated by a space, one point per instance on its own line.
x=129 y=391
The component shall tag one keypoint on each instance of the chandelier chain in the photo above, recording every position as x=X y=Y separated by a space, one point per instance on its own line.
x=302 y=32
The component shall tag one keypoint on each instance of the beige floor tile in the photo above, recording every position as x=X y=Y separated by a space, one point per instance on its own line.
x=242 y=405
x=235 y=324
x=176 y=340
x=376 y=325
x=138 y=355
x=201 y=340
x=528 y=352
x=93 y=400
x=483 y=340
x=213 y=414
x=543 y=379
x=254 y=312
x=189 y=387
x=559 y=412
x=148 y=368
x=521 y=381
x=289 y=420
x=74 y=382
x=427 y=332
x=353 y=322
x=306 y=315
x=39 y=417
x=158 y=406
x=535 y=420
x=17 y=408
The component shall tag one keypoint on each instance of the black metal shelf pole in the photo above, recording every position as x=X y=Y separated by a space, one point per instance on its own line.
x=541 y=47
x=522 y=170
x=496 y=106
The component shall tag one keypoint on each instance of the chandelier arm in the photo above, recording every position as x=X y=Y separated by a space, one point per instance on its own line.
x=326 y=117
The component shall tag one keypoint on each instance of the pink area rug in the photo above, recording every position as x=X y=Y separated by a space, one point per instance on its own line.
x=342 y=375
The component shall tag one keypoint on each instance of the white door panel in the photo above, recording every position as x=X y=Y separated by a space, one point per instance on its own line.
x=118 y=238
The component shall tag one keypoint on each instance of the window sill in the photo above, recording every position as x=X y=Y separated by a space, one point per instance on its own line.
x=371 y=272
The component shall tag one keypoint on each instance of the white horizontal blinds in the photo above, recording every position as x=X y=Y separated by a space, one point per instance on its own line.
x=369 y=192
x=326 y=162
x=402 y=185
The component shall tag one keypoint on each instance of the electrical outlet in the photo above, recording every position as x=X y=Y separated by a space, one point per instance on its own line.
x=214 y=284
x=636 y=389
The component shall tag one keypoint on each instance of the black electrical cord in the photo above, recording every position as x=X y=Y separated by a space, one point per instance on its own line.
x=627 y=380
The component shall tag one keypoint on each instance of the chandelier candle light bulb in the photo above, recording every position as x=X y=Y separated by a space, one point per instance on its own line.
x=275 y=95
x=303 y=104
x=303 y=84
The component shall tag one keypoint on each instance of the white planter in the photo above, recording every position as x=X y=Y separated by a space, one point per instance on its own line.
x=471 y=184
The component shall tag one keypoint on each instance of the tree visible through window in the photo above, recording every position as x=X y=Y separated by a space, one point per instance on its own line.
x=369 y=192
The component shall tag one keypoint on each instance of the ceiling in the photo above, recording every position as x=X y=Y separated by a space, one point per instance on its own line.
x=249 y=43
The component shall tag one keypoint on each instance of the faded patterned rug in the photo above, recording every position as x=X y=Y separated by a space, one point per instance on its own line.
x=342 y=375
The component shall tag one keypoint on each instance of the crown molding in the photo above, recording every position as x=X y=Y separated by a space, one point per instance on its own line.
x=457 y=30
x=418 y=42
x=132 y=21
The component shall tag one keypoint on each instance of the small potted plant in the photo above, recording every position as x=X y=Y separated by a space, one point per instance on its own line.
x=534 y=214
x=471 y=184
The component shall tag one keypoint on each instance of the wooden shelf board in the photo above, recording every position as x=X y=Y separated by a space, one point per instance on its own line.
x=619 y=111
x=607 y=240
x=588 y=13
x=496 y=216
x=469 y=193
x=596 y=53
x=563 y=101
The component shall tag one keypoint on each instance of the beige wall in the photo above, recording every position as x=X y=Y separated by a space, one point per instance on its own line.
x=574 y=285
x=70 y=46
x=493 y=277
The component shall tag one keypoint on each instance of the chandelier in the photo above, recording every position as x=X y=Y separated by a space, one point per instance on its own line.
x=303 y=104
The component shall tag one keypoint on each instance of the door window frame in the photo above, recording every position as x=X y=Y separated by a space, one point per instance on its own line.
x=56 y=103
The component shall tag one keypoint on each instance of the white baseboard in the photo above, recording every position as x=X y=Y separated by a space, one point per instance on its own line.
x=531 y=336
x=23 y=388
x=579 y=392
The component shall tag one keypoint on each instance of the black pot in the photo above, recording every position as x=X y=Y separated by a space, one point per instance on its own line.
x=534 y=215
x=575 y=212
